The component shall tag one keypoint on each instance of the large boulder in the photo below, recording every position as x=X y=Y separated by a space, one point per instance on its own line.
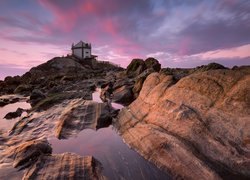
x=197 y=128
x=136 y=67
x=153 y=63
x=36 y=96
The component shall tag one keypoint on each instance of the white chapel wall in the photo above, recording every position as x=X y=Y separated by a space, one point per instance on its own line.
x=86 y=53
x=77 y=52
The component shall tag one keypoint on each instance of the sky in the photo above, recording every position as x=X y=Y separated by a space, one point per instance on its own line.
x=179 y=33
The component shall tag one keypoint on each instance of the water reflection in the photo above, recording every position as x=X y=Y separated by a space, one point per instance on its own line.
x=118 y=160
x=8 y=124
x=96 y=98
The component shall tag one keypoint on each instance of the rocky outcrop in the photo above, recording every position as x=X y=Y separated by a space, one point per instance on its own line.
x=9 y=84
x=152 y=63
x=136 y=67
x=123 y=95
x=179 y=73
x=57 y=64
x=23 y=89
x=83 y=115
x=119 y=91
x=36 y=157
x=63 y=120
x=10 y=99
x=36 y=96
x=124 y=87
x=197 y=128
x=28 y=153
x=65 y=166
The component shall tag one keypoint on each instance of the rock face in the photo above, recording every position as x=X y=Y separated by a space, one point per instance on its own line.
x=125 y=87
x=29 y=152
x=137 y=66
x=64 y=119
x=197 y=128
x=65 y=166
x=82 y=115
x=36 y=96
x=35 y=155
x=153 y=63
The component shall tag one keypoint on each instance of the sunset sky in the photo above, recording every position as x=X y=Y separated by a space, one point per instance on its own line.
x=179 y=33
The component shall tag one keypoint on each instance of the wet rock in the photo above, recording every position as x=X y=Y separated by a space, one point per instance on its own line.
x=197 y=128
x=81 y=115
x=3 y=102
x=8 y=100
x=65 y=166
x=12 y=115
x=36 y=96
x=106 y=93
x=120 y=92
x=123 y=95
x=28 y=153
x=57 y=98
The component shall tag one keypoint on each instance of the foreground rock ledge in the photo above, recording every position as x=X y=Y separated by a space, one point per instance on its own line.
x=65 y=166
x=198 y=128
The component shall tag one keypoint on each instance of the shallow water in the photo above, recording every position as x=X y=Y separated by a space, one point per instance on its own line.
x=96 y=98
x=117 y=159
x=8 y=124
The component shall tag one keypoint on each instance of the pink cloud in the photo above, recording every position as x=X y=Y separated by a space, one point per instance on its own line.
x=65 y=19
x=184 y=46
x=88 y=7
x=109 y=27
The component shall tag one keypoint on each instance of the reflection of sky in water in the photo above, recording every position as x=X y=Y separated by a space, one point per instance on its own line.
x=96 y=98
x=8 y=124
x=118 y=160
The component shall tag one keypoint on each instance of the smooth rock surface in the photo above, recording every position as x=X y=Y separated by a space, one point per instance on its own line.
x=83 y=115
